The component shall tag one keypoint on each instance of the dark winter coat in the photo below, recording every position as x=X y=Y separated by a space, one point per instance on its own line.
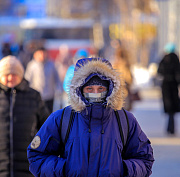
x=169 y=69
x=22 y=112
x=91 y=153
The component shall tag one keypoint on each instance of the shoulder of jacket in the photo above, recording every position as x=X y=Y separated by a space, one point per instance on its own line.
x=130 y=116
x=57 y=114
x=54 y=118
x=32 y=62
x=31 y=91
x=132 y=120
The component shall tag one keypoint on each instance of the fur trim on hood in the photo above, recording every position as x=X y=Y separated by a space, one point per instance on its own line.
x=99 y=66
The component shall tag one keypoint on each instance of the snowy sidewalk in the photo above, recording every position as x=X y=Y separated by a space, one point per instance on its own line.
x=149 y=113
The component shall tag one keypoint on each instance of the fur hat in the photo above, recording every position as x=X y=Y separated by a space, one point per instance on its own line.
x=11 y=65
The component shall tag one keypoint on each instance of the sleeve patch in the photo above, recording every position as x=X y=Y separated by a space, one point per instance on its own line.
x=35 y=142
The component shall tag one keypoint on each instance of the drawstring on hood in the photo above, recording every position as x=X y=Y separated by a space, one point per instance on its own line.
x=90 y=119
x=89 y=113
x=102 y=130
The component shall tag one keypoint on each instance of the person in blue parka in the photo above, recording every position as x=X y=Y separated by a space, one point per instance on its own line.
x=94 y=147
x=81 y=53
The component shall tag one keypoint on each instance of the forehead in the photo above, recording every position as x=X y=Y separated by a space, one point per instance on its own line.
x=94 y=86
x=11 y=74
x=38 y=51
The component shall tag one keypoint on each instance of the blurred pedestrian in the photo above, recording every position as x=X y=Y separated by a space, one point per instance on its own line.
x=43 y=77
x=22 y=112
x=93 y=143
x=108 y=50
x=122 y=64
x=14 y=48
x=63 y=61
x=169 y=70
x=26 y=52
x=6 y=49
x=80 y=53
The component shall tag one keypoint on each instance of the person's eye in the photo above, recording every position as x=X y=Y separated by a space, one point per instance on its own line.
x=101 y=88
x=89 y=88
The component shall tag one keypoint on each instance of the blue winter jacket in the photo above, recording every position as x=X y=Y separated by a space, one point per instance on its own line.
x=91 y=153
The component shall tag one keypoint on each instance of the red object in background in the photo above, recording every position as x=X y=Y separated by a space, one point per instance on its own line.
x=73 y=45
x=54 y=52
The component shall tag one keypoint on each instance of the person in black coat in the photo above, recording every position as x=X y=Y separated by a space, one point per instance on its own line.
x=169 y=69
x=22 y=112
x=6 y=49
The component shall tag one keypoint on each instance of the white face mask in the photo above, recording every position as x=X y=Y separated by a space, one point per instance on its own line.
x=95 y=97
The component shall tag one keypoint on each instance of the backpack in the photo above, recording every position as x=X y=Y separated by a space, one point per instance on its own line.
x=67 y=119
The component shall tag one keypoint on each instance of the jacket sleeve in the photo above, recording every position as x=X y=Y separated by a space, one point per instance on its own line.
x=138 y=155
x=43 y=152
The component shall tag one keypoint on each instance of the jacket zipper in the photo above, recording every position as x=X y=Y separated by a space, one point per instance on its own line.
x=12 y=99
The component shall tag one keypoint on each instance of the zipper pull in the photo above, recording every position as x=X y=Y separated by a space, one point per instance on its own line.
x=14 y=91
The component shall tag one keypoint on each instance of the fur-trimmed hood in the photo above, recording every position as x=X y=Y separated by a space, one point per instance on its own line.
x=87 y=68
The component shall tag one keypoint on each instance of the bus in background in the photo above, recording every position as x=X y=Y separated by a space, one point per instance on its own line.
x=53 y=33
